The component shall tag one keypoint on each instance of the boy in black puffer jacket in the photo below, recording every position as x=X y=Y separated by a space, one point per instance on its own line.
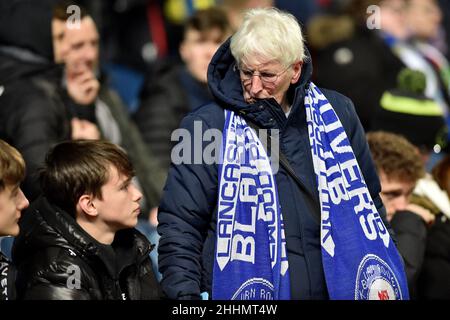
x=78 y=242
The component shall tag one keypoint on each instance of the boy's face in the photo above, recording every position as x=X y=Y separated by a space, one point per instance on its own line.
x=12 y=202
x=395 y=194
x=197 y=50
x=119 y=207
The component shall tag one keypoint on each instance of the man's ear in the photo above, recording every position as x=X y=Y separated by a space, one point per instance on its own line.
x=86 y=204
x=297 y=67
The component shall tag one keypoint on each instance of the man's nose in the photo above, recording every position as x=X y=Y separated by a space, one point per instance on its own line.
x=90 y=55
x=23 y=202
x=256 y=85
x=401 y=203
x=137 y=195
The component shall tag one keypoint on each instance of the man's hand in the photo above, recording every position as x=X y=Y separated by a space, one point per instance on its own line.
x=83 y=129
x=83 y=87
x=425 y=214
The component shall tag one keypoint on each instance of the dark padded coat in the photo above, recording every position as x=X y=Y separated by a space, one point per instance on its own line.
x=188 y=212
x=57 y=260
x=411 y=233
x=434 y=280
x=7 y=279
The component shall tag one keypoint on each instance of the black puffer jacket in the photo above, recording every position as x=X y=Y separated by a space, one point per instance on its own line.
x=57 y=260
x=411 y=232
x=434 y=281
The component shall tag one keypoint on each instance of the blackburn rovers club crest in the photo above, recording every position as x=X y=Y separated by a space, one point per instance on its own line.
x=376 y=280
x=254 y=289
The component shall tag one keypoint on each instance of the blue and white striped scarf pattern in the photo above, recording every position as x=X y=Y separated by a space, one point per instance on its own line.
x=250 y=258
x=360 y=259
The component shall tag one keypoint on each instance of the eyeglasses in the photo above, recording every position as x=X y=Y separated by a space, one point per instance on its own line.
x=266 y=77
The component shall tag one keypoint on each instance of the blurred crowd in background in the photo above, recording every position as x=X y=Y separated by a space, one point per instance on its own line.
x=135 y=68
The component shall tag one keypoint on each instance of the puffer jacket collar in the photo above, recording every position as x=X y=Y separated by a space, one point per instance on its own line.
x=55 y=227
x=225 y=85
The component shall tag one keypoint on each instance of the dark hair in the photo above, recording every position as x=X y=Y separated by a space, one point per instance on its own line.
x=74 y=168
x=395 y=156
x=60 y=10
x=206 y=19
x=12 y=166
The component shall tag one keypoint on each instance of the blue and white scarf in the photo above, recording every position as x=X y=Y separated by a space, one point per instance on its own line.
x=250 y=261
x=360 y=260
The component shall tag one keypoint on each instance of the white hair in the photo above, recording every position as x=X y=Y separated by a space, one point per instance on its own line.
x=268 y=34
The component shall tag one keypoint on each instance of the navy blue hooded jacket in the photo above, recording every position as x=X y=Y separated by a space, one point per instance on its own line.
x=188 y=211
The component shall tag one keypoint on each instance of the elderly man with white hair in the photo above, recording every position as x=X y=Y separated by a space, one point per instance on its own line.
x=302 y=219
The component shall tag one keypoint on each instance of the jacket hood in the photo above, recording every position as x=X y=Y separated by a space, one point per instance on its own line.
x=27 y=24
x=44 y=225
x=225 y=85
x=17 y=63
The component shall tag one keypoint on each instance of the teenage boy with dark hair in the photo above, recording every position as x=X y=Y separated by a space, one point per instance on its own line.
x=12 y=202
x=79 y=241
